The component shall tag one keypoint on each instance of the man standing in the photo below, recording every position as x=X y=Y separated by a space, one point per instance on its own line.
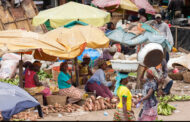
x=165 y=31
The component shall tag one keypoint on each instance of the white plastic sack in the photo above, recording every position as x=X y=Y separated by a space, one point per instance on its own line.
x=11 y=56
x=8 y=68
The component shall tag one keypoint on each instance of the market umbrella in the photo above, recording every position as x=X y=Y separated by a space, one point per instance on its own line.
x=72 y=11
x=146 y=5
x=14 y=100
x=93 y=53
x=123 y=4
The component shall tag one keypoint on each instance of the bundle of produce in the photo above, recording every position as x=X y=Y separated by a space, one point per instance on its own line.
x=99 y=103
x=172 y=98
x=43 y=75
x=57 y=108
x=165 y=109
x=11 y=81
x=29 y=116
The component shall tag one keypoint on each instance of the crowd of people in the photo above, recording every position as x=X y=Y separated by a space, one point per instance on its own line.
x=155 y=80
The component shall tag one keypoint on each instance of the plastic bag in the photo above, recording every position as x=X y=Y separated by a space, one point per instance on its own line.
x=8 y=68
x=11 y=56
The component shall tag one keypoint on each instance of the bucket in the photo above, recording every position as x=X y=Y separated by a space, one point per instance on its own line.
x=151 y=55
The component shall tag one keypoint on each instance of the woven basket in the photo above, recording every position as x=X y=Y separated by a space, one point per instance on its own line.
x=176 y=76
x=186 y=77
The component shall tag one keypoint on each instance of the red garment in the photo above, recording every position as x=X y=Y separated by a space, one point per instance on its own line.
x=29 y=79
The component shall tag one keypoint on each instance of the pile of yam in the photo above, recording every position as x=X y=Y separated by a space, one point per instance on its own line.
x=57 y=108
x=99 y=103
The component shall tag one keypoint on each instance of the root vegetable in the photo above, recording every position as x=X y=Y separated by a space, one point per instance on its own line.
x=108 y=104
x=77 y=106
x=98 y=104
x=93 y=99
x=101 y=100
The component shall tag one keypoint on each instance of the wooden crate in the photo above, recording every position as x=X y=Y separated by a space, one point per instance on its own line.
x=39 y=98
x=20 y=17
x=52 y=99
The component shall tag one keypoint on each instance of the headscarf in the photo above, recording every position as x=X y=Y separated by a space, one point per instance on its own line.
x=86 y=56
x=118 y=80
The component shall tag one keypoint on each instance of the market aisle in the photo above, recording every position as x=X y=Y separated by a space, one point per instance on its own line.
x=181 y=114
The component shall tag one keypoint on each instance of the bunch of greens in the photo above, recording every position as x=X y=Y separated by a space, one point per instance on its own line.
x=43 y=75
x=11 y=81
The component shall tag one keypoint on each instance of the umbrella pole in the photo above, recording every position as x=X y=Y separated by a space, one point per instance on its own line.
x=77 y=72
x=21 y=73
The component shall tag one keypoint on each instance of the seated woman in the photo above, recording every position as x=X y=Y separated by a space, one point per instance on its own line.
x=98 y=82
x=32 y=84
x=65 y=87
x=84 y=70
x=123 y=111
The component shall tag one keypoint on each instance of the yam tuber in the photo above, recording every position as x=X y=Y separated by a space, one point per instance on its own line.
x=108 y=105
x=101 y=100
x=93 y=99
x=98 y=104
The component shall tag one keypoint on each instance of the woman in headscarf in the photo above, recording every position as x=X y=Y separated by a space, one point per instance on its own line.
x=149 y=111
x=98 y=82
x=65 y=85
x=123 y=111
x=32 y=83
x=84 y=70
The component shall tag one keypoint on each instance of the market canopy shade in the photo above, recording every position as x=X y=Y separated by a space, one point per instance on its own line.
x=124 y=4
x=95 y=38
x=72 y=11
x=128 y=5
x=67 y=45
x=144 y=4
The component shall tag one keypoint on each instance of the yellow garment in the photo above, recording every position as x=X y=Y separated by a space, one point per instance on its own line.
x=72 y=11
x=124 y=91
x=35 y=90
x=83 y=69
x=128 y=5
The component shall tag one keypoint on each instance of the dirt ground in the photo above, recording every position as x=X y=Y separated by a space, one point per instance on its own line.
x=182 y=112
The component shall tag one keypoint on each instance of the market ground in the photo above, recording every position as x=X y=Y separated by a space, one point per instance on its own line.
x=182 y=112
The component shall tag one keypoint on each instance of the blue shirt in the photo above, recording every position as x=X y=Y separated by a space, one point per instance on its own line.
x=62 y=80
x=99 y=78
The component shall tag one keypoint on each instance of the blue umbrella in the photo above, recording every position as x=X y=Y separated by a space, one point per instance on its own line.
x=94 y=54
x=13 y=100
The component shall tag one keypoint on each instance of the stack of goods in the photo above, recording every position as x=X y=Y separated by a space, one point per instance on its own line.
x=99 y=103
x=57 y=108
x=43 y=75
x=173 y=98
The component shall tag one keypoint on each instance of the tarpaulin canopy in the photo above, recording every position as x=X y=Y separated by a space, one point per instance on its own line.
x=124 y=4
x=72 y=11
x=144 y=4
x=14 y=100
x=128 y=5
x=94 y=37
x=143 y=34
x=66 y=45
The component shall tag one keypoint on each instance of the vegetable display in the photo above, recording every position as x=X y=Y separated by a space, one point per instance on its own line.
x=11 y=81
x=43 y=75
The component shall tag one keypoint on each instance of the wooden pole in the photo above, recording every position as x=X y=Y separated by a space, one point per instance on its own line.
x=176 y=36
x=21 y=73
x=77 y=71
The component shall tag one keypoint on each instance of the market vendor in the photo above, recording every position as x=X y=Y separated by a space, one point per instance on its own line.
x=32 y=83
x=165 y=31
x=123 y=111
x=98 y=82
x=84 y=70
x=142 y=15
x=65 y=85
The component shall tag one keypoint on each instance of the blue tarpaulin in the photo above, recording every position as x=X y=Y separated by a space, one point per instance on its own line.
x=150 y=36
x=14 y=100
